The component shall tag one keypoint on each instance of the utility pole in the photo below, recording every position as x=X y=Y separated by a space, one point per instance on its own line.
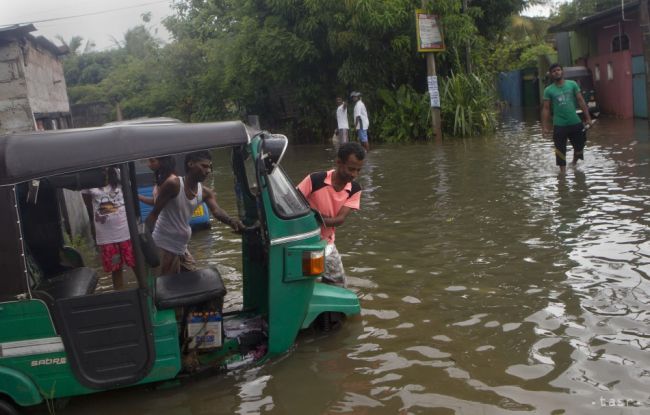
x=645 y=33
x=432 y=78
x=435 y=111
x=118 y=112
x=468 y=48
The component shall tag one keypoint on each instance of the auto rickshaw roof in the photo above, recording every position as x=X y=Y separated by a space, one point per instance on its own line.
x=37 y=154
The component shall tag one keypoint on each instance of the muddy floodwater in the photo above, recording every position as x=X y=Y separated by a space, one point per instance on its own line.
x=489 y=285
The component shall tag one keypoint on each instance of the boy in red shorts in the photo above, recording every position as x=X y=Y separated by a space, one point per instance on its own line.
x=109 y=226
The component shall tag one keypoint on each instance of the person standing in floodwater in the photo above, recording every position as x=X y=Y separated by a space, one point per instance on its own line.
x=177 y=198
x=162 y=168
x=342 y=122
x=334 y=194
x=109 y=226
x=561 y=96
x=361 y=120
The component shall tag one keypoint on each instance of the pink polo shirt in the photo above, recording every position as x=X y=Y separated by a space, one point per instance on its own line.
x=328 y=201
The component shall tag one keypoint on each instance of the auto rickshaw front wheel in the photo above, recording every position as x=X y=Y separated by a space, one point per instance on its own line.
x=7 y=407
x=329 y=321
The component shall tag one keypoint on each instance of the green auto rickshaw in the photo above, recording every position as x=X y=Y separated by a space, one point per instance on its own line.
x=60 y=338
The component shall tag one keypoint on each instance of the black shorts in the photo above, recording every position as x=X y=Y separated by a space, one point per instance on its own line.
x=576 y=135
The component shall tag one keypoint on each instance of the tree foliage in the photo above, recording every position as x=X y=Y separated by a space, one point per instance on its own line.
x=468 y=104
x=286 y=60
x=576 y=9
x=405 y=115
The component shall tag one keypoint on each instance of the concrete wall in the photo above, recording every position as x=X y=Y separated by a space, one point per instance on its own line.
x=15 y=112
x=91 y=115
x=31 y=82
x=46 y=86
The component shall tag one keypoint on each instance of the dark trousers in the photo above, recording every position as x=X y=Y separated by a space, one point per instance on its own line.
x=576 y=135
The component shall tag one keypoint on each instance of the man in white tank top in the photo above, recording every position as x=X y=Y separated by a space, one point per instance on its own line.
x=173 y=208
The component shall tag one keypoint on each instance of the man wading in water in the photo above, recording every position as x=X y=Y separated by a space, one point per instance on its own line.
x=173 y=207
x=561 y=96
x=334 y=194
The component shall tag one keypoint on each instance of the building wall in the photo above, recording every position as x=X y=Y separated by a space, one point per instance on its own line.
x=607 y=31
x=580 y=48
x=15 y=112
x=614 y=95
x=91 y=115
x=46 y=86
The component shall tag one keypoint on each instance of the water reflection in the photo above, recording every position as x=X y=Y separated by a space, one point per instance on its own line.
x=489 y=283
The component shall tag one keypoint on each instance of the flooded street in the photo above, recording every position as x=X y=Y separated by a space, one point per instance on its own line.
x=489 y=284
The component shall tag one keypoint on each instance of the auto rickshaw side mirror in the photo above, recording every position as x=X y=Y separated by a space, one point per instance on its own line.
x=273 y=148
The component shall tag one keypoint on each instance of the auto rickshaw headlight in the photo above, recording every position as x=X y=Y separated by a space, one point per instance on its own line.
x=313 y=263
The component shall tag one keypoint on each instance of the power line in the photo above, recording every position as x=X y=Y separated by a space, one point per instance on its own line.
x=86 y=14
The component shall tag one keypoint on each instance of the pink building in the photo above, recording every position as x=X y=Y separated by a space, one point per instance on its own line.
x=611 y=44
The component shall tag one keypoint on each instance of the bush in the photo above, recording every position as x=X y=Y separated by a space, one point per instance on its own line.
x=468 y=105
x=404 y=116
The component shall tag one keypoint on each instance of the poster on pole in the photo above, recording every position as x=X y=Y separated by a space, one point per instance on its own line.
x=434 y=93
x=429 y=32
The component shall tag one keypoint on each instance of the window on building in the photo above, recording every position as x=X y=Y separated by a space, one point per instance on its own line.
x=610 y=71
x=597 y=73
x=621 y=42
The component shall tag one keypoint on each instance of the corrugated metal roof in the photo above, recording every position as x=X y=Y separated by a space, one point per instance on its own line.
x=15 y=32
x=586 y=20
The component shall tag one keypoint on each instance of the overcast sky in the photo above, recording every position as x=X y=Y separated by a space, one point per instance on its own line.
x=102 y=18
x=543 y=10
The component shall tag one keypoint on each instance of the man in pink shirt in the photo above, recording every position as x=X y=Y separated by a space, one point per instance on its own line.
x=334 y=194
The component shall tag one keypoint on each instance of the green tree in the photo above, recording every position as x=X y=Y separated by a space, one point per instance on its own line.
x=520 y=44
x=576 y=9
x=286 y=60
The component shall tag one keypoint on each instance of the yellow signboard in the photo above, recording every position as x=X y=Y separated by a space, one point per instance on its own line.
x=429 y=32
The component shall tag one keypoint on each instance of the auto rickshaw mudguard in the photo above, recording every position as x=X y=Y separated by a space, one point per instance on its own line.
x=19 y=387
x=330 y=298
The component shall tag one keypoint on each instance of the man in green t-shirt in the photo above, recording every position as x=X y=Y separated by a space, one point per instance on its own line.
x=562 y=96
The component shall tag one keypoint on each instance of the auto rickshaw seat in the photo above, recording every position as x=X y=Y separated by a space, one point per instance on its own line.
x=189 y=288
x=71 y=282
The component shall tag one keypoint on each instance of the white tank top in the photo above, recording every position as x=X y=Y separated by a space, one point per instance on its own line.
x=172 y=231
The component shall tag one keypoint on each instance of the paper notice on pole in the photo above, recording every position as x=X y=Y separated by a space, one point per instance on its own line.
x=434 y=94
x=429 y=31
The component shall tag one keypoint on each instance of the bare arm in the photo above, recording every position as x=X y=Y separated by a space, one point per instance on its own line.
x=583 y=107
x=146 y=200
x=546 y=116
x=167 y=191
x=339 y=219
x=218 y=213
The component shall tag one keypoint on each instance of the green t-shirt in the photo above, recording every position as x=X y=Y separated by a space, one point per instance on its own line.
x=563 y=102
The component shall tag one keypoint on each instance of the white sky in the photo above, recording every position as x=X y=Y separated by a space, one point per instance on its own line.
x=114 y=19
x=543 y=10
